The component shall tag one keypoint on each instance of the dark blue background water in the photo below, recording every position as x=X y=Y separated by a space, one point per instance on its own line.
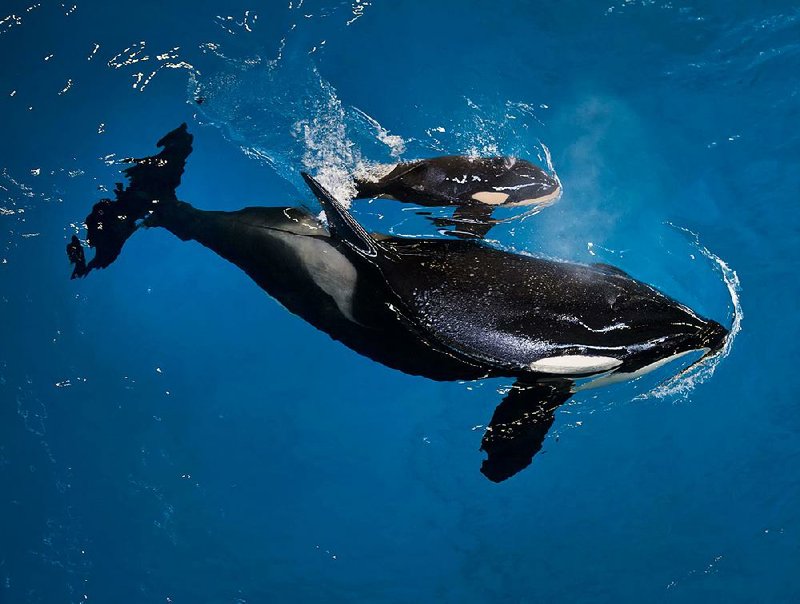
x=170 y=434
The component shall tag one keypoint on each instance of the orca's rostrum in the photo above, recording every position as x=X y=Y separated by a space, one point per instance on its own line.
x=445 y=309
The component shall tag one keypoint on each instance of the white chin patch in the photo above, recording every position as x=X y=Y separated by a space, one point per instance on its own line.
x=615 y=378
x=492 y=198
x=575 y=364
x=540 y=201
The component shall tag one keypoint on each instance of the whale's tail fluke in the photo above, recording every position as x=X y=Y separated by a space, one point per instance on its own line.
x=152 y=181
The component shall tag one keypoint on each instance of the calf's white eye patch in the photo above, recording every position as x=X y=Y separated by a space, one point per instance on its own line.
x=491 y=198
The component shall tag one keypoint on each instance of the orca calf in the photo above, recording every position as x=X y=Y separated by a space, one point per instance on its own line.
x=476 y=185
x=445 y=309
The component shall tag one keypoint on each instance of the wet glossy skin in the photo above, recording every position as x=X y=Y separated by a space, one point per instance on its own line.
x=463 y=180
x=476 y=186
x=493 y=311
x=440 y=308
x=454 y=310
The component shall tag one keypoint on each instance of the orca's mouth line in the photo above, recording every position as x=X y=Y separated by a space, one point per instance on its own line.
x=535 y=208
x=540 y=202
x=704 y=367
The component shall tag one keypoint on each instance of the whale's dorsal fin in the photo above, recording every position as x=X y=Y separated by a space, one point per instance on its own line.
x=340 y=223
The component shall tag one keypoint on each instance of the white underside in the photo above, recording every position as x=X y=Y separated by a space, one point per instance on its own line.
x=615 y=378
x=328 y=268
x=543 y=200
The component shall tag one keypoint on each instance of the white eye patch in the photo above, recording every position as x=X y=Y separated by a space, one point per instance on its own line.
x=575 y=364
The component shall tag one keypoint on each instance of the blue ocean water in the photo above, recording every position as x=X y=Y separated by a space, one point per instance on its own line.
x=168 y=433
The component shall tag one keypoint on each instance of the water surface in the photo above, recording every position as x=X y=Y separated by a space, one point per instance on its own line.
x=170 y=434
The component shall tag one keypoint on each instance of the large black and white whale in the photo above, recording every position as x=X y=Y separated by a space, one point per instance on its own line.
x=475 y=185
x=445 y=309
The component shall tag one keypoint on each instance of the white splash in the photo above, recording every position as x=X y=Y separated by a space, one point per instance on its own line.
x=358 y=7
x=8 y=22
x=372 y=171
x=549 y=161
x=311 y=128
x=66 y=88
x=135 y=53
x=684 y=382
x=395 y=143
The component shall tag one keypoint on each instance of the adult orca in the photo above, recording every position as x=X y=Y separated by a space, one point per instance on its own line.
x=475 y=185
x=445 y=309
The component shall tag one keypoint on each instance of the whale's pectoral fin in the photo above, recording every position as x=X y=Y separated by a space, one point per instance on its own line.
x=470 y=221
x=519 y=425
x=341 y=224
